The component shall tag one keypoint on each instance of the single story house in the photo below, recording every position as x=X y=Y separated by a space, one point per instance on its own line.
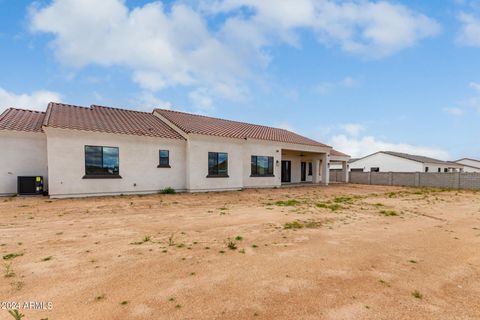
x=97 y=150
x=389 y=161
x=469 y=164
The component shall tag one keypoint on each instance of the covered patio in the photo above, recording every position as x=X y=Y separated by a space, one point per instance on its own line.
x=304 y=167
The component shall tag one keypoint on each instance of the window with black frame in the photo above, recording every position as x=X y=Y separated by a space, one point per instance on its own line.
x=310 y=168
x=164 y=161
x=217 y=164
x=101 y=162
x=262 y=166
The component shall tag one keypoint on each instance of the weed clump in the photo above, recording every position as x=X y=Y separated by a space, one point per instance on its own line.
x=328 y=205
x=168 y=190
x=287 y=203
x=232 y=245
x=293 y=225
x=144 y=240
x=389 y=213
x=11 y=256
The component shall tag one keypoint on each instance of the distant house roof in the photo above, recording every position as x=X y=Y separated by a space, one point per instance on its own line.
x=416 y=158
x=106 y=119
x=337 y=153
x=197 y=124
x=471 y=159
x=22 y=120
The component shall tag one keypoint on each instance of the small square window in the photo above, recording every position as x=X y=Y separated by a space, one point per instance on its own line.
x=164 y=161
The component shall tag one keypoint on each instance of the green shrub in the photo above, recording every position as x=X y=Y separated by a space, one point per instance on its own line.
x=168 y=190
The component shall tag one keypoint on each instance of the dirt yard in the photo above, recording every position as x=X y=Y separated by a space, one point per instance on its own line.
x=339 y=252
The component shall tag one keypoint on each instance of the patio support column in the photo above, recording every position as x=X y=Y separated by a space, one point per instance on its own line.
x=345 y=171
x=316 y=171
x=325 y=169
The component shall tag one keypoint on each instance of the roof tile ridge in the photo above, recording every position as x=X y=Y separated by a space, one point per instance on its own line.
x=4 y=113
x=216 y=118
x=93 y=106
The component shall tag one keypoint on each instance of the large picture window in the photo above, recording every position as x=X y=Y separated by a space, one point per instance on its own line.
x=262 y=166
x=101 y=162
x=217 y=164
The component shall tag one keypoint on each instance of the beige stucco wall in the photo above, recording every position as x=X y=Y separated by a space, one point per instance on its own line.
x=239 y=163
x=138 y=158
x=261 y=148
x=197 y=162
x=23 y=154
x=239 y=158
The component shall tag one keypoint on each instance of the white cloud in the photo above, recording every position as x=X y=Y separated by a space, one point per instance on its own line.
x=148 y=101
x=469 y=34
x=163 y=49
x=367 y=28
x=360 y=147
x=177 y=46
x=326 y=88
x=37 y=100
x=353 y=129
x=284 y=125
x=454 y=111
x=475 y=86
x=465 y=105
x=200 y=98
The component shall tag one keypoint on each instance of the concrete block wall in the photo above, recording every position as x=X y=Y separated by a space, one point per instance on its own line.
x=418 y=179
x=381 y=178
x=403 y=179
x=469 y=181
x=360 y=177
x=439 y=180
x=337 y=175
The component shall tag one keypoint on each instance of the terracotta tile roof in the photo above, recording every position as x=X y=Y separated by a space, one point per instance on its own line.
x=337 y=153
x=197 y=124
x=21 y=120
x=106 y=119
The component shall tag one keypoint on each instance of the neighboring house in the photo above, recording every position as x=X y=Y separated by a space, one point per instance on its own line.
x=388 y=161
x=469 y=165
x=83 y=151
x=339 y=164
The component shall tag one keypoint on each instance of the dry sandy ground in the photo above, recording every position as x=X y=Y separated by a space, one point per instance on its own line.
x=166 y=256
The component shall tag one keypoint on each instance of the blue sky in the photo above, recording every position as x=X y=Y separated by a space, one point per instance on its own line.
x=359 y=75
